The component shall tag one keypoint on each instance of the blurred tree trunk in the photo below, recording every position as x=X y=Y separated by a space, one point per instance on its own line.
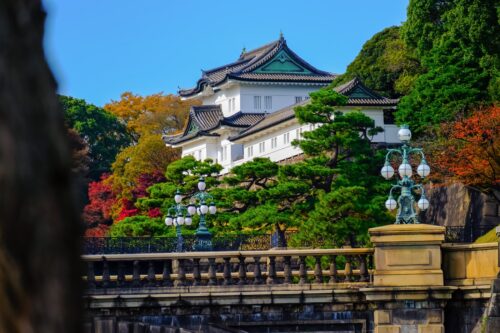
x=39 y=224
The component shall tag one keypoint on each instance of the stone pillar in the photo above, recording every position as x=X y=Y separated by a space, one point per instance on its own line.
x=408 y=285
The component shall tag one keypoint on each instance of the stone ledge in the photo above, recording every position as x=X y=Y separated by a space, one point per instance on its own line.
x=407 y=293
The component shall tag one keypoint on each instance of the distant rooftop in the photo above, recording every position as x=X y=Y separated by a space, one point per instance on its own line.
x=273 y=62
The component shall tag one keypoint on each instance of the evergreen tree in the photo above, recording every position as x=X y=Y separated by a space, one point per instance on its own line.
x=460 y=53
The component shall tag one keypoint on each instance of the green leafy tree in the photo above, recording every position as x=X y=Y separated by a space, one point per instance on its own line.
x=342 y=168
x=384 y=64
x=461 y=58
x=101 y=131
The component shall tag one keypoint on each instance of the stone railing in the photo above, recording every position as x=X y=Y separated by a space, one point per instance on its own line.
x=470 y=264
x=235 y=268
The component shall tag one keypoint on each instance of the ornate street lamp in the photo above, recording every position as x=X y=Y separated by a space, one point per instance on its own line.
x=178 y=215
x=406 y=202
x=202 y=203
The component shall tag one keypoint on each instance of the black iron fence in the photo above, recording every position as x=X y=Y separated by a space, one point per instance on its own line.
x=236 y=242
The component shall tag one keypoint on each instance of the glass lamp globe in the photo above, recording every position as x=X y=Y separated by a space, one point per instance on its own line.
x=175 y=222
x=404 y=133
x=390 y=203
x=169 y=221
x=188 y=220
x=387 y=171
x=191 y=209
x=423 y=203
x=178 y=197
x=212 y=209
x=202 y=185
x=423 y=169
x=180 y=219
x=405 y=169
x=203 y=208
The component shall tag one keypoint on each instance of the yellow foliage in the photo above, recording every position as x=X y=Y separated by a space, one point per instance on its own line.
x=153 y=114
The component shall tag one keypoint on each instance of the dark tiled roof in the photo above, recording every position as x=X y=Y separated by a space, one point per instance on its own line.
x=361 y=95
x=242 y=69
x=205 y=118
x=269 y=120
x=350 y=88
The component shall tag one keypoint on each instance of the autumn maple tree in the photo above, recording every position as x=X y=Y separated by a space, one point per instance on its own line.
x=469 y=154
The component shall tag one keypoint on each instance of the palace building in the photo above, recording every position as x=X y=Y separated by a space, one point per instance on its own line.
x=247 y=107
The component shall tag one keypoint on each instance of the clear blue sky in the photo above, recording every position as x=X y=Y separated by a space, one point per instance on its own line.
x=101 y=48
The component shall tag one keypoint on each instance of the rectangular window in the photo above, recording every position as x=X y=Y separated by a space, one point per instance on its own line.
x=389 y=117
x=274 y=142
x=262 y=147
x=250 y=151
x=256 y=103
x=224 y=153
x=234 y=103
x=306 y=98
x=298 y=99
x=298 y=133
x=229 y=105
x=268 y=102
x=286 y=138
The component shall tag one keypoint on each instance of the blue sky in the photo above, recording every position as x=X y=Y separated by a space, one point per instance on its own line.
x=101 y=48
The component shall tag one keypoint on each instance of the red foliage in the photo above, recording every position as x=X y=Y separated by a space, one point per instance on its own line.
x=146 y=180
x=101 y=199
x=154 y=212
x=127 y=210
x=470 y=154
x=99 y=231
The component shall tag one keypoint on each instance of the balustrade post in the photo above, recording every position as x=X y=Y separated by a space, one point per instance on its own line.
x=196 y=272
x=136 y=277
x=242 y=271
x=151 y=274
x=363 y=272
x=167 y=281
x=348 y=269
x=302 y=270
x=257 y=275
x=120 y=274
x=212 y=275
x=90 y=275
x=287 y=270
x=105 y=273
x=227 y=271
x=271 y=270
x=333 y=269
x=318 y=272
x=181 y=274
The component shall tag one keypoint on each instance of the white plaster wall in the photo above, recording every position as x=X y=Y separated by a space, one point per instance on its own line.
x=282 y=96
x=198 y=150
x=222 y=98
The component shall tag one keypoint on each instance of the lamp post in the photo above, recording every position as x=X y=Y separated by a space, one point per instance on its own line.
x=177 y=215
x=203 y=204
x=406 y=202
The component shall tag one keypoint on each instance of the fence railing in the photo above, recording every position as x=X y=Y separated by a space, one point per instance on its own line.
x=315 y=266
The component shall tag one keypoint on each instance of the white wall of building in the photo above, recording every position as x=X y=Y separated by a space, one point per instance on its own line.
x=281 y=96
x=228 y=99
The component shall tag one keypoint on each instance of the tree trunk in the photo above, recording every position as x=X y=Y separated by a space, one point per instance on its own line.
x=40 y=288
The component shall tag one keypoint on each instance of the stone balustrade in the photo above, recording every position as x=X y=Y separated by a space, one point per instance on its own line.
x=232 y=268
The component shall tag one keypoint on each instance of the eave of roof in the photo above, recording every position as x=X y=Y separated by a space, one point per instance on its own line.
x=242 y=68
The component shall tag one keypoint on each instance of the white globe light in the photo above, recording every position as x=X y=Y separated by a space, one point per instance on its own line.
x=198 y=211
x=387 y=171
x=178 y=198
x=168 y=221
x=404 y=133
x=188 y=220
x=405 y=169
x=192 y=210
x=180 y=220
x=423 y=169
x=204 y=209
x=212 y=209
x=423 y=203
x=175 y=222
x=202 y=185
x=390 y=203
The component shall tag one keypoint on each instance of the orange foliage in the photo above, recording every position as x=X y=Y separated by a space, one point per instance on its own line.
x=153 y=114
x=469 y=152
